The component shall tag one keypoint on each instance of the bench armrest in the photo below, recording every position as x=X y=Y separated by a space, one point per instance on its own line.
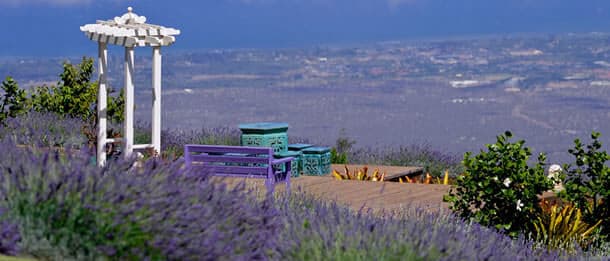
x=282 y=160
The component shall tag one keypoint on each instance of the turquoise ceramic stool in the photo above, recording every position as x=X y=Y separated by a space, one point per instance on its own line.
x=265 y=134
x=299 y=146
x=316 y=161
x=295 y=164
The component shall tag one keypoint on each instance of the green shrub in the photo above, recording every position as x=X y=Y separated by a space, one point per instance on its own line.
x=337 y=158
x=587 y=181
x=75 y=94
x=13 y=102
x=498 y=188
x=338 y=154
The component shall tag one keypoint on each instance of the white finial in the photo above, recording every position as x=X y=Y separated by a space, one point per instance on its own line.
x=130 y=18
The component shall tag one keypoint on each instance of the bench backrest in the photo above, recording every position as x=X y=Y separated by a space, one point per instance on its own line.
x=229 y=160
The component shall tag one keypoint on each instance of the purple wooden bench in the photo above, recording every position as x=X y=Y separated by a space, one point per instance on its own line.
x=238 y=161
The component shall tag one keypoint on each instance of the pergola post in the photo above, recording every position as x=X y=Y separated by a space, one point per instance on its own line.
x=102 y=100
x=129 y=30
x=156 y=99
x=129 y=101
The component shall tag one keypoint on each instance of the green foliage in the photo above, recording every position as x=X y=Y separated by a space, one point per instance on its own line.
x=338 y=154
x=499 y=189
x=587 y=181
x=13 y=102
x=336 y=158
x=116 y=107
x=75 y=94
x=563 y=228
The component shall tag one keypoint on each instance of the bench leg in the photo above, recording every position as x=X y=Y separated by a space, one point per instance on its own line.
x=270 y=186
x=270 y=182
x=288 y=174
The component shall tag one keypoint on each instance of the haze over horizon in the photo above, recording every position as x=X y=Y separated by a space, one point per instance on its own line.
x=51 y=27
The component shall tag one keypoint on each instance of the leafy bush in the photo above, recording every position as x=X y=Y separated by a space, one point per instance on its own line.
x=561 y=227
x=338 y=153
x=73 y=95
x=65 y=207
x=13 y=102
x=587 y=181
x=336 y=157
x=499 y=189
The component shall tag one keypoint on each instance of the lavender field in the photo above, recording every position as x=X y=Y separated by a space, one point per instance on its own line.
x=57 y=204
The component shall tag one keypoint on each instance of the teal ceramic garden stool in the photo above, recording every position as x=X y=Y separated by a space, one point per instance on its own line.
x=295 y=164
x=316 y=161
x=298 y=146
x=265 y=134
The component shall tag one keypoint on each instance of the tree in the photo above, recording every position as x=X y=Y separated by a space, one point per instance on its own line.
x=72 y=96
x=75 y=94
x=14 y=102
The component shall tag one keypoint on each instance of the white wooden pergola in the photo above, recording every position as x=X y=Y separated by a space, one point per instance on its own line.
x=130 y=31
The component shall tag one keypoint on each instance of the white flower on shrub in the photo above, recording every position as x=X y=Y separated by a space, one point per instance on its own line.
x=495 y=178
x=506 y=182
x=519 y=205
x=554 y=172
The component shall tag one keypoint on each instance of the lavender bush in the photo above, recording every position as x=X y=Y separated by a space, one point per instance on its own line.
x=44 y=129
x=318 y=230
x=9 y=237
x=173 y=141
x=65 y=207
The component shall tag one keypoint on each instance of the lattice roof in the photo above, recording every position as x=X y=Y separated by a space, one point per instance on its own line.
x=130 y=30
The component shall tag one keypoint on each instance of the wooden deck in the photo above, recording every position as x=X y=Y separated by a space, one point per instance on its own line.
x=373 y=195
x=377 y=196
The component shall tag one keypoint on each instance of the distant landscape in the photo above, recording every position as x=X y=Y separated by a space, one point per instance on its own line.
x=454 y=94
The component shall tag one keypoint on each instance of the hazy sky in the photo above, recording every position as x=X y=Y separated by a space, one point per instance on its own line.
x=51 y=27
